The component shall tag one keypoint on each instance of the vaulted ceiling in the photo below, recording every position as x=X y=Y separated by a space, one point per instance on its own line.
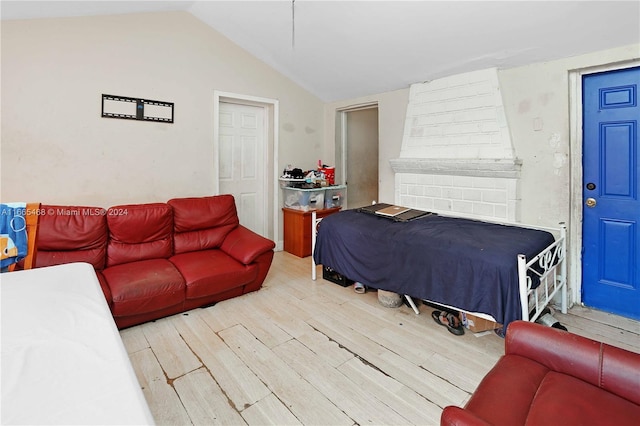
x=347 y=49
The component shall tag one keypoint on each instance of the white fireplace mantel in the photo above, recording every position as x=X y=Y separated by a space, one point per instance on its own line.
x=499 y=167
x=457 y=156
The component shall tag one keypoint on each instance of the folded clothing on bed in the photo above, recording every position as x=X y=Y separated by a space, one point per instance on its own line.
x=465 y=263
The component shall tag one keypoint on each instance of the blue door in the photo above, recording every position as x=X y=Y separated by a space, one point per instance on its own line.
x=611 y=177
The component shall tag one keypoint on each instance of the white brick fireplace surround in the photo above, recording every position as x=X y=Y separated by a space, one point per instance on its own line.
x=457 y=157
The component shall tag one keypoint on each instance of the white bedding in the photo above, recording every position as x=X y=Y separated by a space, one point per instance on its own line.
x=63 y=361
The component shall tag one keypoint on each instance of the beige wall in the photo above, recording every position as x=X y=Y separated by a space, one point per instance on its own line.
x=57 y=149
x=539 y=91
x=392 y=109
x=539 y=95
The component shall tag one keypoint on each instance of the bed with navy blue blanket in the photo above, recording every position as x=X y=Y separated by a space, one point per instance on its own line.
x=468 y=264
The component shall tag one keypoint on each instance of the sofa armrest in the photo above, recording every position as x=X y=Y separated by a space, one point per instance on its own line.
x=456 y=416
x=608 y=367
x=245 y=245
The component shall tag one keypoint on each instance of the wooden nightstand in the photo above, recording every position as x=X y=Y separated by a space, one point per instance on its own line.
x=297 y=229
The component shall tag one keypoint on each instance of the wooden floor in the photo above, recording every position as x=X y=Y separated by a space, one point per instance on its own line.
x=311 y=352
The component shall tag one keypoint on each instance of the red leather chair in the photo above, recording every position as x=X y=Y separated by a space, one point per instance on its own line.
x=552 y=377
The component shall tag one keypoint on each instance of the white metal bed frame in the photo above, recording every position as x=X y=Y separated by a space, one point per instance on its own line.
x=549 y=266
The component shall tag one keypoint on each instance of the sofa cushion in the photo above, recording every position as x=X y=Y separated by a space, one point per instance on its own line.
x=139 y=232
x=202 y=223
x=69 y=234
x=210 y=272
x=144 y=286
x=495 y=401
x=567 y=400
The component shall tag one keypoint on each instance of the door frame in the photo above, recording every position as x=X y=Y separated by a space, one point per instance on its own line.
x=341 y=139
x=575 y=150
x=271 y=136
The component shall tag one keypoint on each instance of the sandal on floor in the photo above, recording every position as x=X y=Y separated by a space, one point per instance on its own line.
x=436 y=317
x=454 y=326
x=448 y=320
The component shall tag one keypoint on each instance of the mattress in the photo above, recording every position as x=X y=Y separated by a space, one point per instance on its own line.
x=63 y=361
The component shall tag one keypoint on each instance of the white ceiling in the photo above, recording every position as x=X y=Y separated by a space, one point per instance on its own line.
x=347 y=49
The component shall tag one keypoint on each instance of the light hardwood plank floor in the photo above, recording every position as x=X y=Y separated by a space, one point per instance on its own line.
x=311 y=352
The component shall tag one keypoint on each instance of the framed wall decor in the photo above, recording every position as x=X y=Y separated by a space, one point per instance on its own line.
x=136 y=109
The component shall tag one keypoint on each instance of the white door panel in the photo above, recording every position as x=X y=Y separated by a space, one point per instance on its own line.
x=242 y=161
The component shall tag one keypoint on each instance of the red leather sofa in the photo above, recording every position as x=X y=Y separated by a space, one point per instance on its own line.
x=158 y=259
x=552 y=377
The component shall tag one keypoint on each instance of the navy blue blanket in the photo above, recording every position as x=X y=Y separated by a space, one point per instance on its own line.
x=465 y=263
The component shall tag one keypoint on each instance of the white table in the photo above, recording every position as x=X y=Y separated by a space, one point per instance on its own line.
x=63 y=361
